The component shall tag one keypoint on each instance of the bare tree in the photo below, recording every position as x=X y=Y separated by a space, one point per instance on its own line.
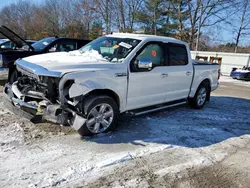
x=124 y=13
x=184 y=19
x=204 y=13
x=19 y=16
x=103 y=8
x=243 y=18
x=133 y=7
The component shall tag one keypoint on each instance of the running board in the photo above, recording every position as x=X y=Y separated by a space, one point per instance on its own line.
x=157 y=109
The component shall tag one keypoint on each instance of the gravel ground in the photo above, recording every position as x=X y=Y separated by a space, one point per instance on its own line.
x=179 y=147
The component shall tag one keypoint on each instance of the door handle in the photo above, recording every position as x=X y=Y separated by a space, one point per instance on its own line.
x=164 y=75
x=188 y=73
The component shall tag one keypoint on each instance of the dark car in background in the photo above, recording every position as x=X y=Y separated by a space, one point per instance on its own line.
x=11 y=45
x=46 y=45
x=241 y=74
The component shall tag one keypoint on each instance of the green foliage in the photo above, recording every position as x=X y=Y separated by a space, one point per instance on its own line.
x=175 y=14
x=150 y=15
x=96 y=30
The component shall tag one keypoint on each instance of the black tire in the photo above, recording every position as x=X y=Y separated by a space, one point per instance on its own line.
x=92 y=102
x=194 y=102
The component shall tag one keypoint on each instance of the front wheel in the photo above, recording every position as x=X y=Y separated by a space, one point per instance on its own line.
x=200 y=97
x=101 y=115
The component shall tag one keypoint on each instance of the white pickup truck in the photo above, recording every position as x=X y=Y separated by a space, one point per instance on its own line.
x=89 y=88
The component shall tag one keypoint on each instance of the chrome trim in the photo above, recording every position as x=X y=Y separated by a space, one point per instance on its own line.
x=120 y=74
x=16 y=91
x=160 y=108
x=37 y=70
x=24 y=104
x=35 y=94
x=26 y=72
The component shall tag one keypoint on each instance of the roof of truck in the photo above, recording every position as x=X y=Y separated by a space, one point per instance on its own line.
x=144 y=37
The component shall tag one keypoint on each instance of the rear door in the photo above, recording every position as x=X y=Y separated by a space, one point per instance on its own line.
x=179 y=70
x=147 y=87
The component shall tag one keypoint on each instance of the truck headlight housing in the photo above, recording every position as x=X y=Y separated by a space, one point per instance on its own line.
x=1 y=60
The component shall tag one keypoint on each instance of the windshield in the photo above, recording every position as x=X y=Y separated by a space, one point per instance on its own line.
x=41 y=44
x=111 y=49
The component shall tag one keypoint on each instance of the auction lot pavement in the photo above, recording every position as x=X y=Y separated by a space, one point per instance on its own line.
x=179 y=147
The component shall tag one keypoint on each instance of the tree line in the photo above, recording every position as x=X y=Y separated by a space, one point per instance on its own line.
x=187 y=20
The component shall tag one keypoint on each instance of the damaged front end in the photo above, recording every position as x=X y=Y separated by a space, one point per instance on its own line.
x=45 y=96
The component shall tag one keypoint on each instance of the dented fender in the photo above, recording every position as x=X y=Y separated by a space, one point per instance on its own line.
x=83 y=88
x=82 y=83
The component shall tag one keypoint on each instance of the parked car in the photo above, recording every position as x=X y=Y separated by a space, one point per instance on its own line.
x=89 y=88
x=241 y=74
x=46 y=45
x=11 y=45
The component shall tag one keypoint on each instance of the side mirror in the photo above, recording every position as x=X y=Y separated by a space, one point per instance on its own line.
x=53 y=49
x=3 y=46
x=145 y=64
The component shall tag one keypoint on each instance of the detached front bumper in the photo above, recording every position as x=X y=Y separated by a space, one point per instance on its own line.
x=38 y=112
x=22 y=110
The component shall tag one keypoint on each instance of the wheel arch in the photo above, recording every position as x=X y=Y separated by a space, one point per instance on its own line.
x=208 y=82
x=196 y=84
x=107 y=92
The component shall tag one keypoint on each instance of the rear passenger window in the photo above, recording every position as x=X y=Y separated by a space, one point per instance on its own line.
x=177 y=55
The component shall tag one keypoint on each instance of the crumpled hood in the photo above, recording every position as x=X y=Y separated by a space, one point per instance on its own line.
x=65 y=62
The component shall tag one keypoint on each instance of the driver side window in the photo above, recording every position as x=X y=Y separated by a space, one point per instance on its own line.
x=153 y=53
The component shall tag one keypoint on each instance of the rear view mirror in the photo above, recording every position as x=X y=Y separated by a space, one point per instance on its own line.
x=145 y=64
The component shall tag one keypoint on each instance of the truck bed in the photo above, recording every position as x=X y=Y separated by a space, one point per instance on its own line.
x=196 y=62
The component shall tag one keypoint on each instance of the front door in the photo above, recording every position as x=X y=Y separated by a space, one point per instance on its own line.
x=147 y=86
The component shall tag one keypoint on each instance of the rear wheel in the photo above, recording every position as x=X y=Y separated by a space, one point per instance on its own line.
x=101 y=113
x=201 y=96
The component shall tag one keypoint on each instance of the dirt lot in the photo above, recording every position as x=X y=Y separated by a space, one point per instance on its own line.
x=180 y=147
